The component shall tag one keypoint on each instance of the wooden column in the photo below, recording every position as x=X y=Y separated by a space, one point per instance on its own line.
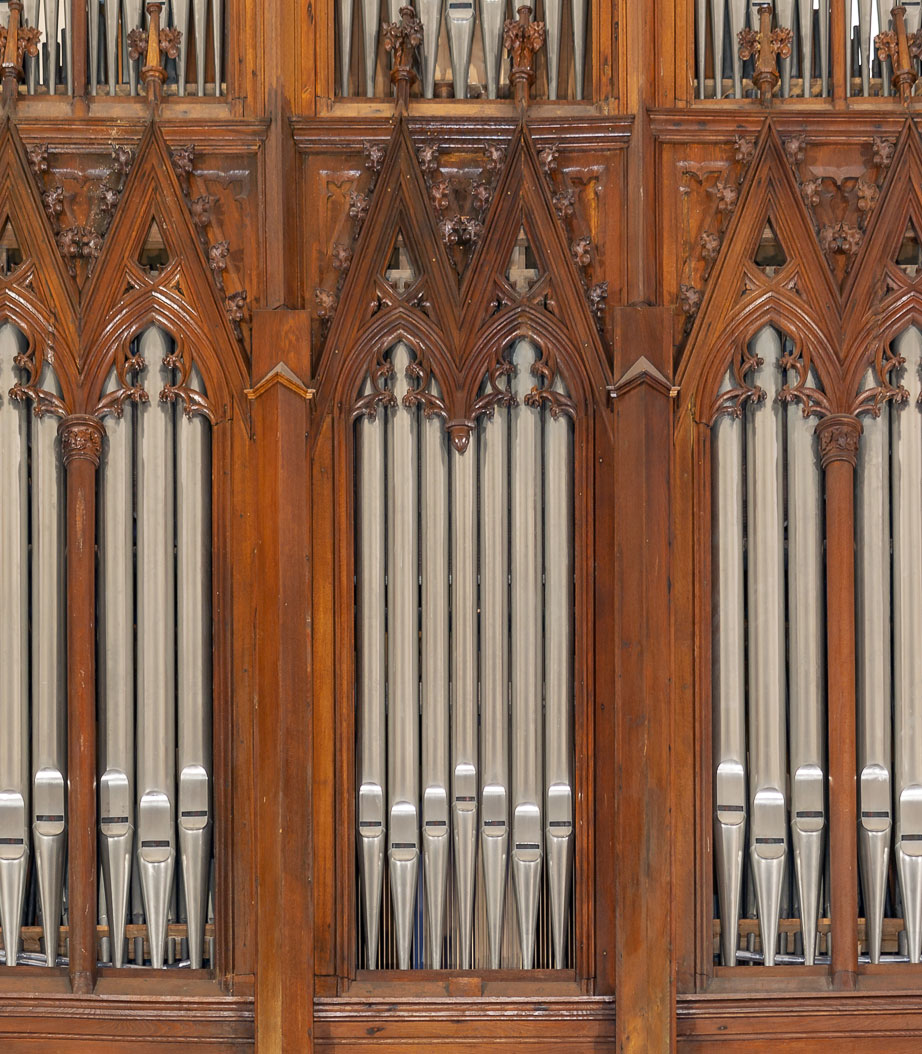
x=645 y=977
x=81 y=443
x=283 y=733
x=838 y=438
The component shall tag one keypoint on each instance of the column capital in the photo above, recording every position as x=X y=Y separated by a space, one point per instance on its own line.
x=838 y=435
x=81 y=438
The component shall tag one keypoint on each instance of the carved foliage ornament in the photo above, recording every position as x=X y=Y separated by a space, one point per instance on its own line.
x=31 y=362
x=461 y=416
x=81 y=438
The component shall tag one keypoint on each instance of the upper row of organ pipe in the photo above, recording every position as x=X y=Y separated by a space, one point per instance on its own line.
x=460 y=18
x=864 y=19
x=108 y=25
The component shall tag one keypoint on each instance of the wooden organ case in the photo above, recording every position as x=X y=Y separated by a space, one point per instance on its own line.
x=461 y=525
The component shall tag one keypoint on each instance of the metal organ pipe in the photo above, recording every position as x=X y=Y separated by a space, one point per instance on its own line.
x=464 y=715
x=806 y=662
x=402 y=660
x=49 y=699
x=156 y=729
x=527 y=651
x=370 y=776
x=906 y=497
x=434 y=524
x=14 y=647
x=730 y=808
x=765 y=584
x=193 y=635
x=872 y=526
x=494 y=671
x=558 y=670
x=115 y=671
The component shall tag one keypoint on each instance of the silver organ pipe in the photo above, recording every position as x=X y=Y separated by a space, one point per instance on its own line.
x=806 y=655
x=460 y=24
x=494 y=671
x=906 y=497
x=49 y=698
x=579 y=15
x=784 y=16
x=15 y=775
x=155 y=713
x=494 y=525
x=370 y=775
x=765 y=585
x=558 y=671
x=115 y=672
x=464 y=715
x=737 y=9
x=434 y=525
x=156 y=702
x=527 y=652
x=872 y=527
x=402 y=661
x=729 y=646
x=492 y=18
x=430 y=14
x=768 y=658
x=193 y=635
x=553 y=10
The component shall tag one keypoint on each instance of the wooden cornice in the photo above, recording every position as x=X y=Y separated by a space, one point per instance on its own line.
x=316 y=134
x=721 y=124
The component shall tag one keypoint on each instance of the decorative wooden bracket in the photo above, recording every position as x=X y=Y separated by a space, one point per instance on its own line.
x=16 y=41
x=765 y=46
x=403 y=38
x=522 y=38
x=152 y=43
x=901 y=48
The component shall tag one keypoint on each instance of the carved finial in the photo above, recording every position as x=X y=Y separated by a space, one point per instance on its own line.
x=152 y=43
x=766 y=46
x=403 y=38
x=16 y=41
x=901 y=48
x=522 y=38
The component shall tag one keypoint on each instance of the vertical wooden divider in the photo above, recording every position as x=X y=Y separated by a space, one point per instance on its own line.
x=838 y=438
x=81 y=445
x=282 y=716
x=645 y=987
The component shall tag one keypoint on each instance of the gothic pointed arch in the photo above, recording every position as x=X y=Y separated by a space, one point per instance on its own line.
x=770 y=271
x=153 y=271
x=553 y=309
x=421 y=307
x=884 y=295
x=36 y=293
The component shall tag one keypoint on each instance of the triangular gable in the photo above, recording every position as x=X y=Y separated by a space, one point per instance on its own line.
x=399 y=205
x=522 y=200
x=39 y=295
x=123 y=296
x=877 y=274
x=741 y=295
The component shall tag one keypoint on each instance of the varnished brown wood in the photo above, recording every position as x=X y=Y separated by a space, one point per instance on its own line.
x=81 y=444
x=644 y=977
x=838 y=441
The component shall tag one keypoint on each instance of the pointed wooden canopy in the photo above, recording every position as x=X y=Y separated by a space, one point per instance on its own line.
x=881 y=298
x=123 y=296
x=38 y=296
x=368 y=317
x=799 y=296
x=460 y=329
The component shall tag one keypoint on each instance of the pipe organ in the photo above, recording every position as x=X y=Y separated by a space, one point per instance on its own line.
x=769 y=657
x=464 y=767
x=155 y=814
